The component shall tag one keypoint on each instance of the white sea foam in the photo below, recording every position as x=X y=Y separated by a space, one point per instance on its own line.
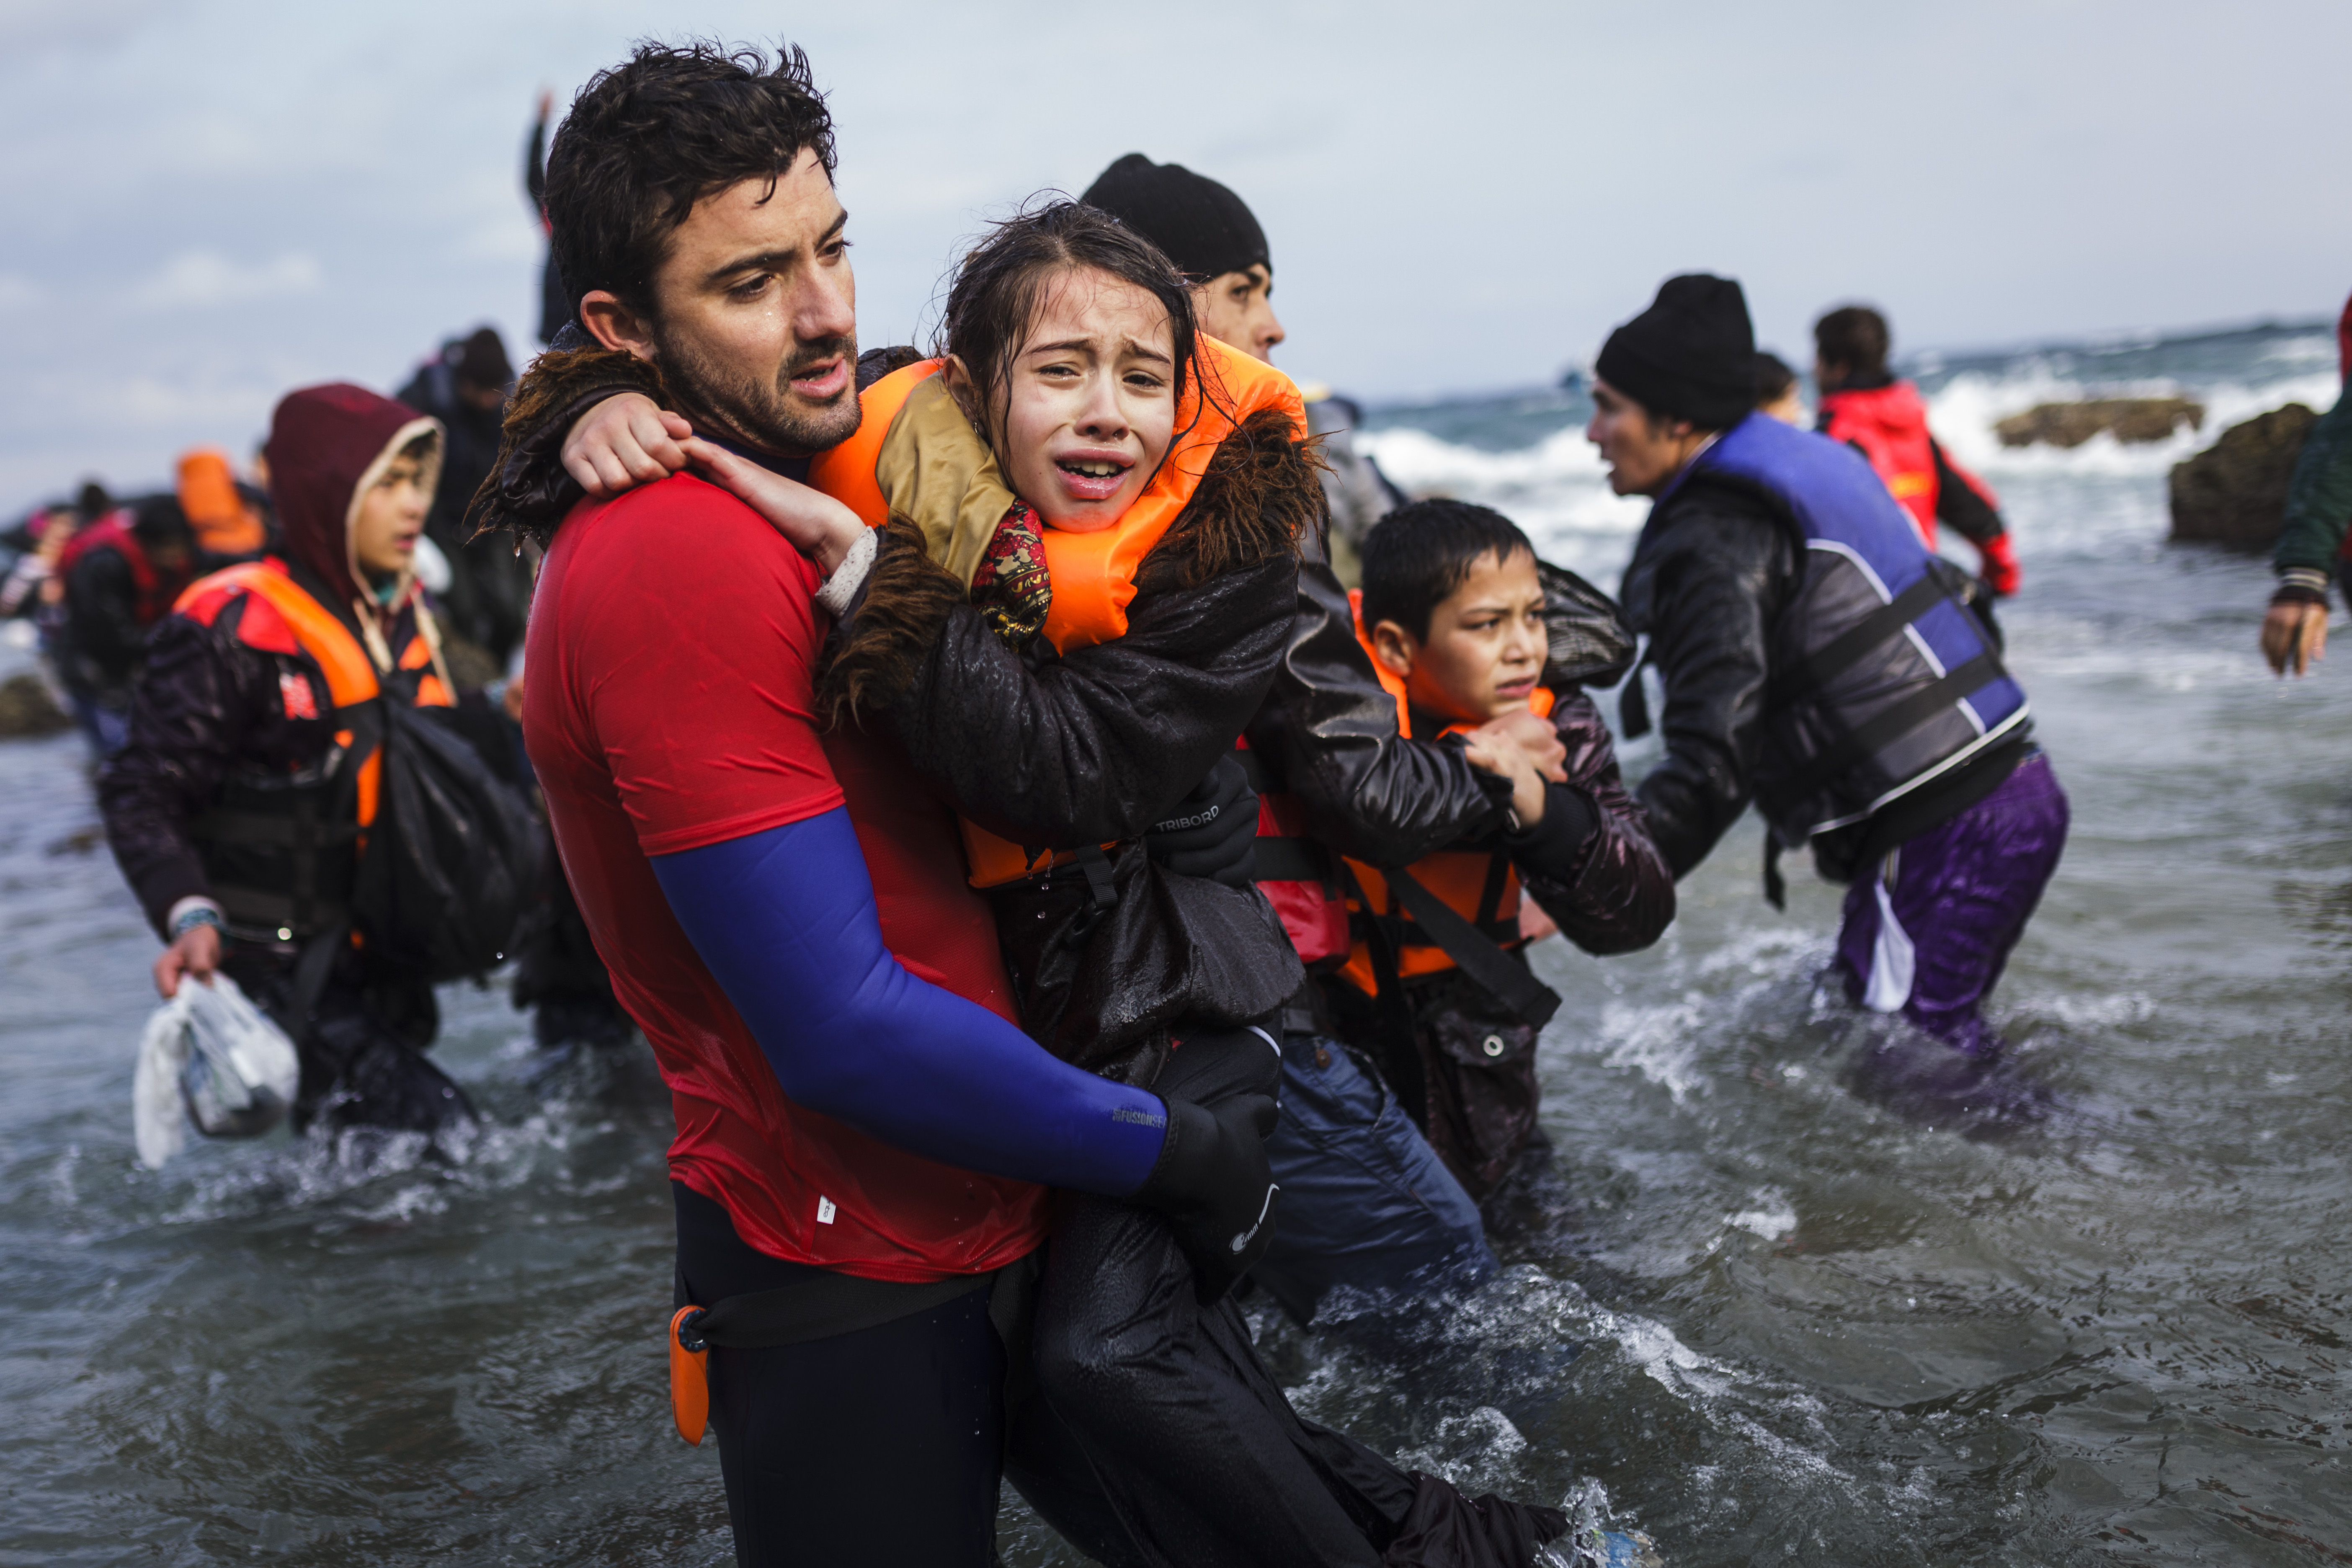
x=2089 y=499
x=1773 y=1217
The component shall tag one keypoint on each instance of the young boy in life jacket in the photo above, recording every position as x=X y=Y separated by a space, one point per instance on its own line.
x=1062 y=559
x=1435 y=987
x=1884 y=420
x=236 y=809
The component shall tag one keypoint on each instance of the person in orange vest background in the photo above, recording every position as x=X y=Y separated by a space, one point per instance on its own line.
x=230 y=520
x=1884 y=420
x=235 y=811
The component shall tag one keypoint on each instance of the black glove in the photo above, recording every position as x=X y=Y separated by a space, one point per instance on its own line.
x=1213 y=832
x=1214 y=1188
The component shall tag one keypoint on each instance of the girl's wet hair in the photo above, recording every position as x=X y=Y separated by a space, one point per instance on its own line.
x=1002 y=285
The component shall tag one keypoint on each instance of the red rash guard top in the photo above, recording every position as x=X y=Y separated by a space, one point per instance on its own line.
x=670 y=707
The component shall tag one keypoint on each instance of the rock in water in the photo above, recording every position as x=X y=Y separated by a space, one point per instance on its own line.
x=2233 y=493
x=2131 y=420
x=28 y=709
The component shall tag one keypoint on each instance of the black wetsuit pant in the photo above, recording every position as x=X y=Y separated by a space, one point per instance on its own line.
x=1186 y=1432
x=1144 y=1427
x=881 y=1445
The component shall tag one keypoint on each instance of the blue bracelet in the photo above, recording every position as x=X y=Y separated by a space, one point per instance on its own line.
x=199 y=916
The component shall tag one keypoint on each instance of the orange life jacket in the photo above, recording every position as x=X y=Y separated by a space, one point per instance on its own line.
x=1093 y=575
x=281 y=616
x=1480 y=886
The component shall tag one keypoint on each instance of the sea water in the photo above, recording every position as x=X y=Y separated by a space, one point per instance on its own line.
x=1755 y=1315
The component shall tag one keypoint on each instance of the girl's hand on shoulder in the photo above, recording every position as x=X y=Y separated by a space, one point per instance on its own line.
x=625 y=441
x=811 y=522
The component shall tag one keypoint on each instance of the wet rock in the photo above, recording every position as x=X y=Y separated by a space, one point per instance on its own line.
x=26 y=709
x=2129 y=419
x=2233 y=493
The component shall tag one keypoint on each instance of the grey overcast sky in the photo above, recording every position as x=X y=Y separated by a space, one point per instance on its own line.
x=210 y=201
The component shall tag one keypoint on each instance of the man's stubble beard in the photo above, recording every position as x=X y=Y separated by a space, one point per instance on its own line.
x=735 y=403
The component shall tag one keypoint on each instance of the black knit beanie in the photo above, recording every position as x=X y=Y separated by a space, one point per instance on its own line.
x=482 y=360
x=1203 y=227
x=1691 y=355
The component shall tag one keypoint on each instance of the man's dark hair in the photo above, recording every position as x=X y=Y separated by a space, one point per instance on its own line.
x=1774 y=379
x=1856 y=338
x=1417 y=557
x=1000 y=285
x=645 y=140
x=92 y=503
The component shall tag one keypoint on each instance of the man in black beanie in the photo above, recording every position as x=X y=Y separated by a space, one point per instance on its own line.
x=1818 y=659
x=1212 y=236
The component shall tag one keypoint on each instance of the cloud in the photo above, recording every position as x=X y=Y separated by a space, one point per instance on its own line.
x=205 y=278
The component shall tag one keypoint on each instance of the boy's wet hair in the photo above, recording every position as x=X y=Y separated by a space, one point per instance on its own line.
x=1774 y=379
x=1417 y=557
x=1002 y=284
x=645 y=140
x=1856 y=337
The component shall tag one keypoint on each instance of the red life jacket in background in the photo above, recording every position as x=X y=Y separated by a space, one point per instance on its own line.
x=1298 y=875
x=1480 y=886
x=1889 y=425
x=112 y=531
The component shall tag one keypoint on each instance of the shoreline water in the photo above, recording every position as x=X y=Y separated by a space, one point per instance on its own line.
x=1773 y=1320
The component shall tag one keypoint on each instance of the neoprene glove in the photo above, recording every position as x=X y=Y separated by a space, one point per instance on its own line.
x=1214 y=1186
x=1213 y=832
x=2001 y=569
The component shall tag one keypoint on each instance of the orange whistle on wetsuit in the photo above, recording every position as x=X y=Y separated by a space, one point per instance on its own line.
x=689 y=1383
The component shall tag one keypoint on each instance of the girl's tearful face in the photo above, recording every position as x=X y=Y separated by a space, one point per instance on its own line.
x=1091 y=407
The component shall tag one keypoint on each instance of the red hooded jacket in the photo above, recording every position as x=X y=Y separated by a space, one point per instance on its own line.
x=1888 y=426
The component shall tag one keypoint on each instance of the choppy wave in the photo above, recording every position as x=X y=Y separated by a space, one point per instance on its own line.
x=1557 y=490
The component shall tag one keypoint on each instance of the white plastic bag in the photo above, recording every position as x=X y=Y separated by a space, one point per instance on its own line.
x=210 y=1057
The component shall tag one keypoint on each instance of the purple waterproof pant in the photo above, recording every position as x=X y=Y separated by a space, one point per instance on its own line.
x=1959 y=895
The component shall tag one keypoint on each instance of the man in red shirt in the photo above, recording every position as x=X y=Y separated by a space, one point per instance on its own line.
x=863 y=1134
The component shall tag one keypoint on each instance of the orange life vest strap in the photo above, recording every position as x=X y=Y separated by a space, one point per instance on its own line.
x=351 y=674
x=1093 y=574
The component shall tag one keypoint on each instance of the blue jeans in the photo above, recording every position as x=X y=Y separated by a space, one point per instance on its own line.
x=1366 y=1203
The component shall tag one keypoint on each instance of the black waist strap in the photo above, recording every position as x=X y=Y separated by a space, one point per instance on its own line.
x=1505 y=977
x=820 y=1308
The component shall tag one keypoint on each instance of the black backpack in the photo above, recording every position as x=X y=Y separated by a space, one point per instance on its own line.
x=453 y=856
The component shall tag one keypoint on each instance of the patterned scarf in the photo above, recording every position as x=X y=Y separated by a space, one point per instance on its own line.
x=1011 y=586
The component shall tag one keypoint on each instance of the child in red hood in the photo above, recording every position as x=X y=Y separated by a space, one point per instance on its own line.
x=236 y=809
x=1864 y=405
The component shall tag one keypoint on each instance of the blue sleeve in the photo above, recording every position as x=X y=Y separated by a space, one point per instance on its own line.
x=786 y=921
